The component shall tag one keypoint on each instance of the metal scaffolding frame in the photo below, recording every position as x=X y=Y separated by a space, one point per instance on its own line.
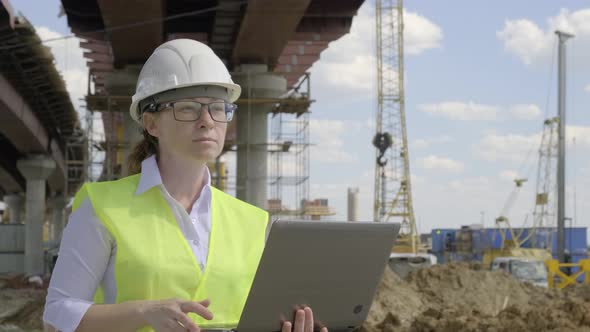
x=289 y=159
x=288 y=151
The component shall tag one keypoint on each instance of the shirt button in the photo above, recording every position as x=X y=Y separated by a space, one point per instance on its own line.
x=194 y=219
x=196 y=242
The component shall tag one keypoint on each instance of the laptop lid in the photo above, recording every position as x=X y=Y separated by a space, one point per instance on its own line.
x=332 y=267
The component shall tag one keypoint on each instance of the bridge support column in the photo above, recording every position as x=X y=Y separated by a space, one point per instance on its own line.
x=36 y=169
x=252 y=127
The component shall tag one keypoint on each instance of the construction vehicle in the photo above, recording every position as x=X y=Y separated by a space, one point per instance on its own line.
x=393 y=190
x=531 y=270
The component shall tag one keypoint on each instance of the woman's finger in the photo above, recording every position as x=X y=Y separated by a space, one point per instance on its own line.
x=174 y=326
x=286 y=327
x=324 y=329
x=205 y=303
x=197 y=308
x=188 y=324
x=299 y=321
x=308 y=325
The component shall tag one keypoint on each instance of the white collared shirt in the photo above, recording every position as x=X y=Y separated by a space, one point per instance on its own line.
x=87 y=251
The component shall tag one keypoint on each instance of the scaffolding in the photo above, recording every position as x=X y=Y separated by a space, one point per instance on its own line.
x=288 y=152
x=76 y=165
x=106 y=147
x=289 y=156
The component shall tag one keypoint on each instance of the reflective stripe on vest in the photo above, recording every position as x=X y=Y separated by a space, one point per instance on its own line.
x=154 y=260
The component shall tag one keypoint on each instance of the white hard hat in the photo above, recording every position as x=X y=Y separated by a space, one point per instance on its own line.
x=178 y=64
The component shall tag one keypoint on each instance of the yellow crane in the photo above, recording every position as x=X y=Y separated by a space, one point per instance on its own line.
x=393 y=190
x=544 y=210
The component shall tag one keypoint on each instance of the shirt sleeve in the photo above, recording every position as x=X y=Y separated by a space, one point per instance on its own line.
x=83 y=257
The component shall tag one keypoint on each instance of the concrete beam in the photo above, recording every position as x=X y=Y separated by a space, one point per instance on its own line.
x=135 y=44
x=277 y=21
x=24 y=130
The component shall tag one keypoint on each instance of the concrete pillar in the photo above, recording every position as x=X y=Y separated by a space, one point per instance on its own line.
x=14 y=203
x=36 y=169
x=252 y=127
x=57 y=204
x=353 y=203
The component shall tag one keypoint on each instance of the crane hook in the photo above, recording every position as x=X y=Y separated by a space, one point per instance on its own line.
x=382 y=141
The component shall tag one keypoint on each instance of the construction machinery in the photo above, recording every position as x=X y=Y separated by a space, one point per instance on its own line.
x=393 y=194
x=550 y=185
x=525 y=269
x=545 y=200
x=393 y=190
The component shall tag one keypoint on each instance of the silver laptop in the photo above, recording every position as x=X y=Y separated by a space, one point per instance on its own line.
x=332 y=267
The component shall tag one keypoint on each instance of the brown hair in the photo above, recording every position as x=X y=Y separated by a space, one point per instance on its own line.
x=146 y=147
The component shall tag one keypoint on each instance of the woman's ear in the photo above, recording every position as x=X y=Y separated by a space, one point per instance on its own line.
x=150 y=123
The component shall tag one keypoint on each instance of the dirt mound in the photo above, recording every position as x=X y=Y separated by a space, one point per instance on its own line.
x=464 y=297
x=21 y=305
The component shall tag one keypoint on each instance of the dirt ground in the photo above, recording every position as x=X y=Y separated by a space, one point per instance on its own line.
x=21 y=304
x=464 y=297
x=447 y=298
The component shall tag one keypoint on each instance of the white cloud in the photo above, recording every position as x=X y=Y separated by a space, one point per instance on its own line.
x=358 y=74
x=427 y=142
x=512 y=147
x=471 y=111
x=508 y=174
x=328 y=145
x=525 y=39
x=534 y=44
x=70 y=62
x=525 y=111
x=581 y=135
x=350 y=62
x=420 y=34
x=587 y=88
x=461 y=111
x=520 y=148
x=434 y=162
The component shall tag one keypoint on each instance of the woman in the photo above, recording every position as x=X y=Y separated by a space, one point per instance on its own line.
x=162 y=250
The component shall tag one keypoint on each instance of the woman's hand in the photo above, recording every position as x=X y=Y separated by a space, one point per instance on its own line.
x=171 y=315
x=303 y=322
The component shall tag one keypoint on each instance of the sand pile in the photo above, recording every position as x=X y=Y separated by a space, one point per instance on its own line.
x=21 y=305
x=464 y=297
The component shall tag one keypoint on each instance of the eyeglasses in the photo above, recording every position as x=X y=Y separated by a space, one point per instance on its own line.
x=188 y=111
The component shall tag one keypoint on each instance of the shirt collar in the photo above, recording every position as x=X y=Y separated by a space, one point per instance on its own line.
x=150 y=176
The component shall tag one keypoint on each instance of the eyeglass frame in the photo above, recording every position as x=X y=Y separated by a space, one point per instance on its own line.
x=162 y=106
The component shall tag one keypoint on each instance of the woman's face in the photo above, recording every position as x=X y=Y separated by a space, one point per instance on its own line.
x=201 y=140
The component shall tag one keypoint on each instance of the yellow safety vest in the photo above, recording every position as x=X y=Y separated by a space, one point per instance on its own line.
x=154 y=260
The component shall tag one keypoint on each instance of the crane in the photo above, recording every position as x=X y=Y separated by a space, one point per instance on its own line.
x=544 y=210
x=393 y=193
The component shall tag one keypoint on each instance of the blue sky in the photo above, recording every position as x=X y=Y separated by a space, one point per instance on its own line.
x=479 y=82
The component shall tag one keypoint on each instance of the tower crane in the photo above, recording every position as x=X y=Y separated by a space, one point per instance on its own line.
x=393 y=190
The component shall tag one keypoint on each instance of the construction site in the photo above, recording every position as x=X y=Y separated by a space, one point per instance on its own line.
x=515 y=274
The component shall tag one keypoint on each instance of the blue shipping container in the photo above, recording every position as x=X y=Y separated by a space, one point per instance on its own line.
x=439 y=239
